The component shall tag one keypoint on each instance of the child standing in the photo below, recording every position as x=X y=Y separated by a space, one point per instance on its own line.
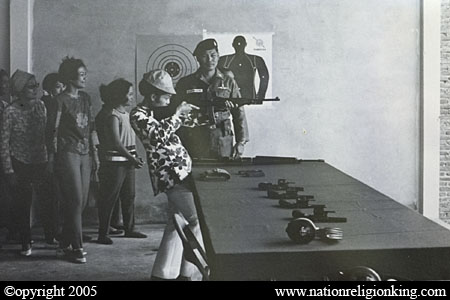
x=118 y=158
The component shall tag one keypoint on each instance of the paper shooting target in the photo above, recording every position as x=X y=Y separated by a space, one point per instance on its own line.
x=175 y=59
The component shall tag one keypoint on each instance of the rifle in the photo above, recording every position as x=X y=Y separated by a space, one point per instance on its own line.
x=220 y=101
x=217 y=103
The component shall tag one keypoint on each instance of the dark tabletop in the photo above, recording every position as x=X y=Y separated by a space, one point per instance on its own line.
x=240 y=219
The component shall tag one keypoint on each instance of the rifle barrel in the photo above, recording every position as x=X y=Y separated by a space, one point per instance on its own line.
x=252 y=100
x=257 y=100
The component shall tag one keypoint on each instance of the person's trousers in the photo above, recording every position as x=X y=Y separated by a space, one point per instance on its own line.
x=6 y=202
x=74 y=174
x=116 y=219
x=169 y=261
x=50 y=207
x=22 y=193
x=117 y=180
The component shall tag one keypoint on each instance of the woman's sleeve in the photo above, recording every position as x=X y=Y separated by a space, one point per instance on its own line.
x=146 y=127
x=5 y=149
x=53 y=121
x=92 y=129
x=51 y=107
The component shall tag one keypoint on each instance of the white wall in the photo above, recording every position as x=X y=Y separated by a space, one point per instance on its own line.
x=21 y=30
x=430 y=111
x=347 y=72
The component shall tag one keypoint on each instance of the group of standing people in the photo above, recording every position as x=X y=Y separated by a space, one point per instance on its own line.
x=51 y=146
x=61 y=135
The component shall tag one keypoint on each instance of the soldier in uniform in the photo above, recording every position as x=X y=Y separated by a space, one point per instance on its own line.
x=226 y=137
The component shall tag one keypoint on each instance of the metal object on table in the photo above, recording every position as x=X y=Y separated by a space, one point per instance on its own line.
x=289 y=193
x=269 y=160
x=319 y=215
x=303 y=231
x=251 y=173
x=301 y=202
x=362 y=273
x=281 y=190
x=216 y=174
x=281 y=184
x=359 y=273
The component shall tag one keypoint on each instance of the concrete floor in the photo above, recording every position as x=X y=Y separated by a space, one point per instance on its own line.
x=127 y=259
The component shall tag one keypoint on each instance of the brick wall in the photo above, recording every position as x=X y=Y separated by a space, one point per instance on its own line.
x=444 y=189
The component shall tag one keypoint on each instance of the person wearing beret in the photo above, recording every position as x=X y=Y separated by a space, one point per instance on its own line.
x=227 y=137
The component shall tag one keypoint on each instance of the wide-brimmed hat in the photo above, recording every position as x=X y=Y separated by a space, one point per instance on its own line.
x=161 y=80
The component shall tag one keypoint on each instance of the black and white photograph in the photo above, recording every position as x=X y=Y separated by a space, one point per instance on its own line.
x=237 y=140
